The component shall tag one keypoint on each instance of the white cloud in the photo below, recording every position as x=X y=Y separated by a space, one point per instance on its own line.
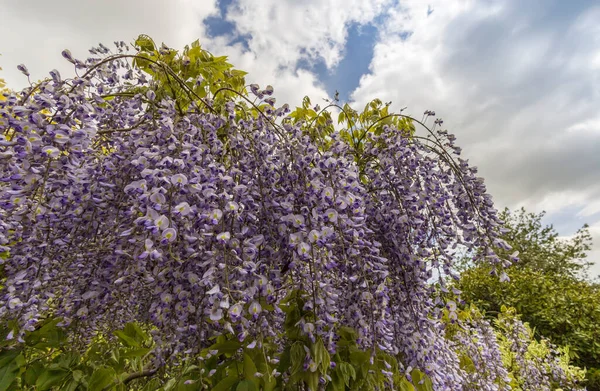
x=587 y=126
x=285 y=31
x=556 y=201
x=281 y=33
x=290 y=84
x=591 y=208
x=35 y=32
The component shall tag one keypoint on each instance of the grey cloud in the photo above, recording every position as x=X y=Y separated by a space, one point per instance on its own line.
x=541 y=86
x=531 y=170
x=508 y=78
x=513 y=80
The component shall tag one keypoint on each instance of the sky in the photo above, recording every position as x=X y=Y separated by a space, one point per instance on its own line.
x=518 y=82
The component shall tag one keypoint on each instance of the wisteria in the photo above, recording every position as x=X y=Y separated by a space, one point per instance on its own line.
x=117 y=204
x=536 y=365
x=477 y=345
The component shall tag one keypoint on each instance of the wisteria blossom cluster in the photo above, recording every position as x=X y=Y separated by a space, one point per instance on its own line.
x=116 y=205
x=535 y=365
x=508 y=356
x=477 y=344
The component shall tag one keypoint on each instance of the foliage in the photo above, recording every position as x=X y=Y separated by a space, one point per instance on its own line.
x=47 y=359
x=592 y=379
x=187 y=77
x=506 y=354
x=543 y=286
x=2 y=87
x=540 y=247
x=158 y=195
x=50 y=359
x=476 y=343
x=563 y=309
x=532 y=364
x=318 y=124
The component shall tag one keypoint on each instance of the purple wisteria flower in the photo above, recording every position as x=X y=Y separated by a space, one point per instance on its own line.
x=169 y=235
x=203 y=222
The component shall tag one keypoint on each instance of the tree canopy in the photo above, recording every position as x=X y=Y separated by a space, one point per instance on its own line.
x=541 y=248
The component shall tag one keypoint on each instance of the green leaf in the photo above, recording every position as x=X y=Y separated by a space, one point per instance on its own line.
x=226 y=383
x=68 y=359
x=135 y=331
x=33 y=372
x=71 y=385
x=246 y=385
x=337 y=381
x=50 y=378
x=297 y=355
x=359 y=358
x=230 y=346
x=347 y=372
x=169 y=385
x=421 y=381
x=101 y=378
x=145 y=43
x=152 y=385
x=306 y=102
x=466 y=363
x=249 y=367
x=8 y=357
x=321 y=356
x=47 y=336
x=127 y=340
x=140 y=352
x=285 y=360
x=238 y=73
x=9 y=368
x=312 y=380
x=405 y=385
x=190 y=369
x=384 y=112
x=77 y=375
x=132 y=335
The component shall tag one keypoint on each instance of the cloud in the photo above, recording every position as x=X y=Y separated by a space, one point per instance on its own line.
x=288 y=30
x=268 y=40
x=273 y=38
x=358 y=52
x=35 y=32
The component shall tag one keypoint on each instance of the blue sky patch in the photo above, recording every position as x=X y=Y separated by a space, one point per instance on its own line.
x=357 y=56
x=344 y=77
x=218 y=26
x=566 y=222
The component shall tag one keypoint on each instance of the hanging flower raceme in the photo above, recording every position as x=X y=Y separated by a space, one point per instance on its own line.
x=204 y=222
